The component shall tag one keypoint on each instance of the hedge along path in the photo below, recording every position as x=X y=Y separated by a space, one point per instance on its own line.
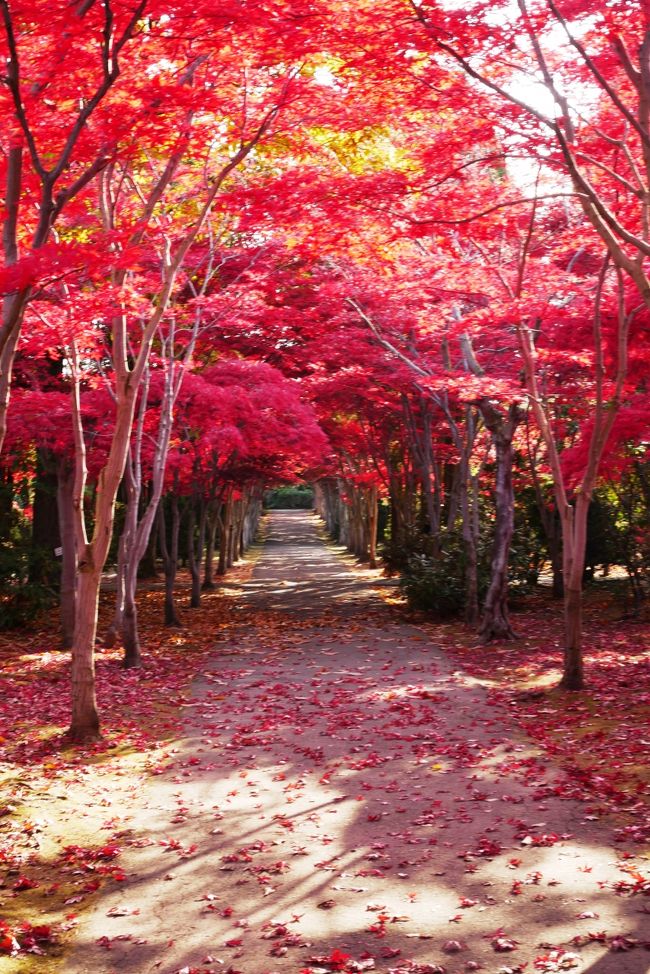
x=341 y=798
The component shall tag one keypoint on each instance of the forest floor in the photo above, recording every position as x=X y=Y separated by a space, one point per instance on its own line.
x=304 y=780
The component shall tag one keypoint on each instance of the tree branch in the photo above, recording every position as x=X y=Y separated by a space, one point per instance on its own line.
x=598 y=75
x=497 y=206
x=13 y=83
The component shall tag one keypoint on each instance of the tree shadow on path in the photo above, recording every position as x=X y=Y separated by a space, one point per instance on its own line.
x=346 y=788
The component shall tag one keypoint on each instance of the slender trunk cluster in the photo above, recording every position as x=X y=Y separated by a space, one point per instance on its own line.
x=573 y=507
x=188 y=530
x=351 y=514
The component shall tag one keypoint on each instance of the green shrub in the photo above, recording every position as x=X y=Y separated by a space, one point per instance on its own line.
x=436 y=583
x=20 y=599
x=289 y=498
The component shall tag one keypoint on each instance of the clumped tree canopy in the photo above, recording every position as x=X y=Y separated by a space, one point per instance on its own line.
x=396 y=250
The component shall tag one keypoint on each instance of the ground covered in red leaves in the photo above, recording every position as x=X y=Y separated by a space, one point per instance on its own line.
x=56 y=862
x=600 y=737
x=45 y=876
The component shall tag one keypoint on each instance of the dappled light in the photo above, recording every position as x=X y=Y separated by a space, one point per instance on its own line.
x=324 y=486
x=346 y=789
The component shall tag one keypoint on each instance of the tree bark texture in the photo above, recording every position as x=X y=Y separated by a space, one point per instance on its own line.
x=84 y=725
x=495 y=623
x=211 y=535
x=373 y=519
x=169 y=553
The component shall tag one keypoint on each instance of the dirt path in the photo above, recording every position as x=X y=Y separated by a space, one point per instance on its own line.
x=339 y=789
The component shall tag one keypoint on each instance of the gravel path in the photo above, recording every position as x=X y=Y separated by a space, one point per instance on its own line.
x=338 y=788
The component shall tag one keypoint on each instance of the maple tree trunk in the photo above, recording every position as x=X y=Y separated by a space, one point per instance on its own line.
x=373 y=517
x=84 y=725
x=85 y=719
x=238 y=546
x=319 y=501
x=354 y=542
x=191 y=553
x=223 y=544
x=430 y=485
x=169 y=554
x=130 y=635
x=233 y=529
x=364 y=526
x=135 y=540
x=239 y=541
x=138 y=529
x=574 y=537
x=352 y=524
x=125 y=553
x=6 y=363
x=340 y=517
x=225 y=523
x=573 y=676
x=495 y=623
x=337 y=510
x=13 y=305
x=251 y=518
x=208 y=571
x=363 y=539
x=114 y=630
x=454 y=494
x=356 y=545
x=329 y=505
x=68 y=584
x=469 y=546
x=230 y=540
x=360 y=514
x=195 y=546
x=242 y=528
x=432 y=508
x=345 y=527
x=249 y=523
